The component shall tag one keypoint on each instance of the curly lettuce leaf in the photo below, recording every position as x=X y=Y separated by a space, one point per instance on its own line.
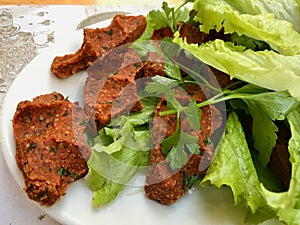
x=266 y=69
x=233 y=166
x=260 y=20
x=283 y=10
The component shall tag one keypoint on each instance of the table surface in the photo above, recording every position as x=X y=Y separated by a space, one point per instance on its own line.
x=15 y=207
x=81 y=2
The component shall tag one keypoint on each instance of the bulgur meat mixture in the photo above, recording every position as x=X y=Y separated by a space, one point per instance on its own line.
x=111 y=90
x=49 y=166
x=51 y=151
x=123 y=29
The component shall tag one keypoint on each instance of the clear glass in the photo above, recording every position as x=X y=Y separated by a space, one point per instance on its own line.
x=17 y=49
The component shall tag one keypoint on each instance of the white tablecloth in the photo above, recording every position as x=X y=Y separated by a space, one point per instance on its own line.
x=15 y=207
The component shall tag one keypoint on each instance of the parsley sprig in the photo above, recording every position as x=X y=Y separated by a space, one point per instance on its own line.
x=180 y=144
x=264 y=106
x=169 y=16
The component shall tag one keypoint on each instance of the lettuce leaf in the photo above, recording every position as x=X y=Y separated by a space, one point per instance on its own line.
x=233 y=166
x=265 y=108
x=118 y=153
x=283 y=10
x=109 y=173
x=288 y=203
x=255 y=19
x=266 y=69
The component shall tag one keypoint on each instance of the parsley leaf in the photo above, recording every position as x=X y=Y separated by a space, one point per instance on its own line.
x=172 y=71
x=163 y=86
x=193 y=114
x=175 y=147
x=275 y=104
x=168 y=143
x=177 y=157
x=169 y=16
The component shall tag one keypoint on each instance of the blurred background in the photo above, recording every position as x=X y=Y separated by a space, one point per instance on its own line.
x=41 y=2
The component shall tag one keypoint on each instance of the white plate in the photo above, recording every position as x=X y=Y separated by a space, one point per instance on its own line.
x=204 y=206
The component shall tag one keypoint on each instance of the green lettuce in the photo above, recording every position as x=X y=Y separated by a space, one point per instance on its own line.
x=267 y=69
x=113 y=164
x=233 y=166
x=256 y=19
x=268 y=21
x=109 y=173
x=283 y=10
x=288 y=203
